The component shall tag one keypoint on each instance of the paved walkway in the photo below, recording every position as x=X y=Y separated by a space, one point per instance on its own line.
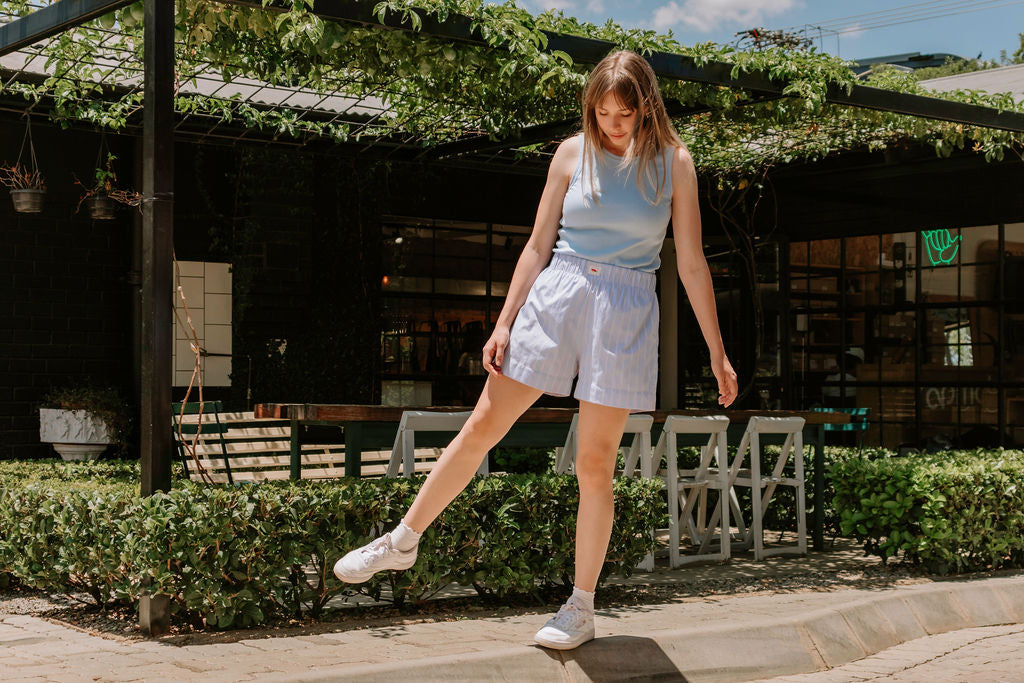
x=694 y=636
x=991 y=654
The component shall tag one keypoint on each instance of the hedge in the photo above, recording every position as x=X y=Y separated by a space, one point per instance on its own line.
x=951 y=512
x=233 y=556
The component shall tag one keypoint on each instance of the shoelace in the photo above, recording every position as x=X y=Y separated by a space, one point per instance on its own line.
x=570 y=616
x=376 y=549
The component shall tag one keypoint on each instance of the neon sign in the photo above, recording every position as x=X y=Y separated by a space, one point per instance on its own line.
x=942 y=246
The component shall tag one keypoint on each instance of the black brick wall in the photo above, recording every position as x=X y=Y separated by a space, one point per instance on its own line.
x=65 y=296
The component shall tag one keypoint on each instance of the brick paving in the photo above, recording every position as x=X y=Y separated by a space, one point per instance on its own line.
x=988 y=654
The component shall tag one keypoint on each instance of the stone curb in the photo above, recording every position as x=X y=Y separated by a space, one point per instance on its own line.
x=751 y=649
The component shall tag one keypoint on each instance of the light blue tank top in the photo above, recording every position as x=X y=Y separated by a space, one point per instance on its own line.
x=624 y=229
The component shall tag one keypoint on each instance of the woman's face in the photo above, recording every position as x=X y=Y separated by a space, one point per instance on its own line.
x=615 y=121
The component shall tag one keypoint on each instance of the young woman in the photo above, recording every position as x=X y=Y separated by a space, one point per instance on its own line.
x=610 y=193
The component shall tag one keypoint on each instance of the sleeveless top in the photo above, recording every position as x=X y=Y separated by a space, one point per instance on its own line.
x=624 y=229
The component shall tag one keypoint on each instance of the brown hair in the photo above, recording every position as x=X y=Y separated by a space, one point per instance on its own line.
x=634 y=84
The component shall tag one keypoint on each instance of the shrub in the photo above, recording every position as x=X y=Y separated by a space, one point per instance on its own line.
x=230 y=556
x=951 y=512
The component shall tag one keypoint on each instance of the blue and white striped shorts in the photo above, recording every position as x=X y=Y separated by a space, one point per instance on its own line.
x=597 y=319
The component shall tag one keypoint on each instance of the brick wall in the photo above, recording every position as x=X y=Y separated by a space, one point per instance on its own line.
x=65 y=296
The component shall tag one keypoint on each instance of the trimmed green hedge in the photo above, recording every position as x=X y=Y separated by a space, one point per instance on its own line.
x=231 y=556
x=952 y=512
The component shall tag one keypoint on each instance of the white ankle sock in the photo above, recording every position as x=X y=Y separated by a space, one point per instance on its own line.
x=585 y=597
x=404 y=537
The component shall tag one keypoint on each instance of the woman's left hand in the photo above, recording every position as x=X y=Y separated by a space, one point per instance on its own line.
x=726 y=376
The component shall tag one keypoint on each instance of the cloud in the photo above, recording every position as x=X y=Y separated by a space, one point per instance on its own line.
x=706 y=15
x=544 y=5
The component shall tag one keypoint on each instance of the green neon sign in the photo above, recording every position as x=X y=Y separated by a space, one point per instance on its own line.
x=942 y=246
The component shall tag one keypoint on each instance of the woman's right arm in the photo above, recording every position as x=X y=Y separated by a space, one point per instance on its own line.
x=537 y=251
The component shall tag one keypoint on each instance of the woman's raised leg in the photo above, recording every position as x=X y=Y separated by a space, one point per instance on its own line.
x=500 y=404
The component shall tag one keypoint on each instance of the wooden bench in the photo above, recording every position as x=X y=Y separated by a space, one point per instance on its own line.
x=237 y=446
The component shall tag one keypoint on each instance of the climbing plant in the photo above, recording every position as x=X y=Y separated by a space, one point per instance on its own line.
x=437 y=90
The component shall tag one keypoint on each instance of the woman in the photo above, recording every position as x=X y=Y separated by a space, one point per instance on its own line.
x=609 y=195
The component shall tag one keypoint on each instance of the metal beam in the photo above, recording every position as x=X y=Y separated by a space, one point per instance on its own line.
x=51 y=20
x=668 y=65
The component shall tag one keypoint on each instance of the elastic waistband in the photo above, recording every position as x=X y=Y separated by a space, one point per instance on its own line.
x=606 y=272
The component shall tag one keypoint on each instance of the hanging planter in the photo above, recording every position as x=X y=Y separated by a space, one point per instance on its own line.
x=28 y=200
x=24 y=180
x=101 y=208
x=102 y=198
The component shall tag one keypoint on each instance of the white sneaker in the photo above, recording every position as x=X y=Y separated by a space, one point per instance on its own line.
x=572 y=626
x=377 y=555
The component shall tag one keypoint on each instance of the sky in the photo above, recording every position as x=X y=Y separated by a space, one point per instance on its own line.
x=851 y=30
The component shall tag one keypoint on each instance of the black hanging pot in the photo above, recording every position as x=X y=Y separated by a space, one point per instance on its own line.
x=28 y=200
x=101 y=207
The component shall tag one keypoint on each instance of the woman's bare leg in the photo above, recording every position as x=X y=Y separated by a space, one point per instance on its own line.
x=598 y=436
x=500 y=404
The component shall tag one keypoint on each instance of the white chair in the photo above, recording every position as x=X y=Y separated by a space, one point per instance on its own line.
x=792 y=427
x=404 y=450
x=639 y=450
x=687 y=490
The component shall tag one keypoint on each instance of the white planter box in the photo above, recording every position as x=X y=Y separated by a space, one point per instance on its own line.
x=75 y=434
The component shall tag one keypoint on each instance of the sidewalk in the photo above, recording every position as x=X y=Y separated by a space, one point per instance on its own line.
x=693 y=635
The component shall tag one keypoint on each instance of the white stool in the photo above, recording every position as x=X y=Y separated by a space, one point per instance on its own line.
x=404 y=450
x=792 y=427
x=688 y=489
x=639 y=450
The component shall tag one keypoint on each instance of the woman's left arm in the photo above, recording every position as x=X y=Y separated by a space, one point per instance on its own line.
x=694 y=272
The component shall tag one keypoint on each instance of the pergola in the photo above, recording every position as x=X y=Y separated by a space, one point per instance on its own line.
x=159 y=130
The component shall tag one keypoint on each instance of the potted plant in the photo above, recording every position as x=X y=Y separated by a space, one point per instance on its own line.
x=102 y=197
x=27 y=187
x=25 y=181
x=81 y=421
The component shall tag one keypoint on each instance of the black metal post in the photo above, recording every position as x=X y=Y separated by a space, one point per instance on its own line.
x=1004 y=440
x=785 y=318
x=818 y=532
x=51 y=20
x=295 y=459
x=157 y=268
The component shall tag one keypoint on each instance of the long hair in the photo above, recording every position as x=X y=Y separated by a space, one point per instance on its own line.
x=634 y=84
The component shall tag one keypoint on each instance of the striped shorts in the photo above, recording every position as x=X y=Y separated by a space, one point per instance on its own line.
x=595 y=319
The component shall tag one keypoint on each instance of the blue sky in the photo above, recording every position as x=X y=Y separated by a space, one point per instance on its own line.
x=991 y=27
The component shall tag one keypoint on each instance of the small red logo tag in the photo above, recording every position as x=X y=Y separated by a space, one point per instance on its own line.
x=593 y=270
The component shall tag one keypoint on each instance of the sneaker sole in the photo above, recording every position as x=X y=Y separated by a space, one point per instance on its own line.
x=362 y=578
x=560 y=646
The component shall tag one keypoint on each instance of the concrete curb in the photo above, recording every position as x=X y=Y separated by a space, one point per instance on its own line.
x=743 y=651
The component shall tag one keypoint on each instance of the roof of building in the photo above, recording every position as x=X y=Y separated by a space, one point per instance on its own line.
x=999 y=80
x=909 y=60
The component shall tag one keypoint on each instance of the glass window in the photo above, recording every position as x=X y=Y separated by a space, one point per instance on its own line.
x=506 y=248
x=862 y=252
x=979 y=244
x=1015 y=416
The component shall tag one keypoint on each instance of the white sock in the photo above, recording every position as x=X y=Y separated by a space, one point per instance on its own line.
x=586 y=598
x=403 y=537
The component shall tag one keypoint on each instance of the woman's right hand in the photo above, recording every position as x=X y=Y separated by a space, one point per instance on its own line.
x=494 y=349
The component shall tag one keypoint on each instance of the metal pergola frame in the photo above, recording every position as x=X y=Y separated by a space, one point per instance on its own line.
x=158 y=161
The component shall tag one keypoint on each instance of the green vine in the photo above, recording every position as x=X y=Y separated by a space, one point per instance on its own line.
x=438 y=90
